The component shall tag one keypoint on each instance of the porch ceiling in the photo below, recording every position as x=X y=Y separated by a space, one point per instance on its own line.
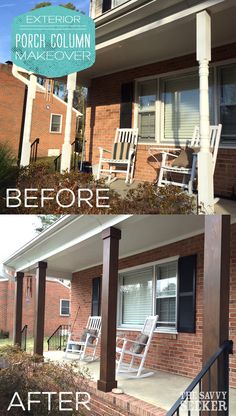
x=163 y=40
x=76 y=243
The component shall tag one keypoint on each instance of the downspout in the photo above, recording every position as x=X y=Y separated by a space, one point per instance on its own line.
x=31 y=84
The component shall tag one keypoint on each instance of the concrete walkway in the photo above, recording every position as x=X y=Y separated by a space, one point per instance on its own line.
x=161 y=389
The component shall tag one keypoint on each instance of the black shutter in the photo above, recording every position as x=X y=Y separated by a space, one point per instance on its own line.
x=96 y=296
x=126 y=105
x=106 y=5
x=187 y=294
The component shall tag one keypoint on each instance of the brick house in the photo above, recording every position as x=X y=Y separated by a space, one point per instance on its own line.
x=57 y=309
x=155 y=253
x=48 y=118
x=146 y=76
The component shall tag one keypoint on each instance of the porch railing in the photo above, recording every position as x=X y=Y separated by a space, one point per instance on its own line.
x=189 y=403
x=76 y=146
x=34 y=150
x=57 y=163
x=58 y=339
x=24 y=337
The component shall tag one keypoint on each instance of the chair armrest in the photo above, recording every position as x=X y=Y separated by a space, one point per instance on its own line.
x=169 y=154
x=101 y=150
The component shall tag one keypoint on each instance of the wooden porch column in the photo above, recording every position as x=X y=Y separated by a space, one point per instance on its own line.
x=18 y=308
x=216 y=297
x=111 y=237
x=40 y=307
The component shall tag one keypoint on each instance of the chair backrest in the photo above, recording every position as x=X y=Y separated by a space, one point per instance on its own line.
x=94 y=322
x=149 y=327
x=126 y=136
x=215 y=133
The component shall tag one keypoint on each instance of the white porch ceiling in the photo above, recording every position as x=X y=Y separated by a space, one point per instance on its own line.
x=166 y=41
x=78 y=244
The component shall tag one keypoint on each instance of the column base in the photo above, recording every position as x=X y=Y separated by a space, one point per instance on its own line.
x=66 y=157
x=25 y=154
x=106 y=386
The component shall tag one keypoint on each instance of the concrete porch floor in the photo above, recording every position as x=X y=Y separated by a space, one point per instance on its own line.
x=161 y=389
x=223 y=206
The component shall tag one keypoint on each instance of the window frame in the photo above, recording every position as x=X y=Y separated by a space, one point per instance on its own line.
x=154 y=265
x=159 y=131
x=50 y=126
x=64 y=314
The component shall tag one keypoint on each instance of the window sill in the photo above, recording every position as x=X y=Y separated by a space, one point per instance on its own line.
x=138 y=329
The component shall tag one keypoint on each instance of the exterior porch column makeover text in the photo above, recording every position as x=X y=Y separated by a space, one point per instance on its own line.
x=107 y=381
x=216 y=297
x=66 y=147
x=40 y=307
x=205 y=166
x=18 y=308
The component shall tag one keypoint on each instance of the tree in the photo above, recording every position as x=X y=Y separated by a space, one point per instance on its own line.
x=69 y=5
x=46 y=221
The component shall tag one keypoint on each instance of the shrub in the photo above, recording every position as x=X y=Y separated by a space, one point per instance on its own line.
x=8 y=171
x=145 y=199
x=4 y=334
x=23 y=373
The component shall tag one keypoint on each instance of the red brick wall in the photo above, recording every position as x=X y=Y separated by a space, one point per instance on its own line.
x=11 y=108
x=103 y=117
x=3 y=305
x=54 y=292
x=181 y=353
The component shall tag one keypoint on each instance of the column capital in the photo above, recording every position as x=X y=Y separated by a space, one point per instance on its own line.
x=42 y=265
x=19 y=275
x=111 y=232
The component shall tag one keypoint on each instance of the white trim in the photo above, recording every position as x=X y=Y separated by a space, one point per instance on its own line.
x=137 y=329
x=50 y=126
x=164 y=21
x=64 y=314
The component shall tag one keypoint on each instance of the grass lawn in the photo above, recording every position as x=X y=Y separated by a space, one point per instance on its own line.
x=29 y=344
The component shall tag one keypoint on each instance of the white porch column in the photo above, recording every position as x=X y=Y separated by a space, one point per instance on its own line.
x=25 y=151
x=205 y=168
x=66 y=148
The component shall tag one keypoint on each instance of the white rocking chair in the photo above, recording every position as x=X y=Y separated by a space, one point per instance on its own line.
x=189 y=173
x=89 y=340
x=136 y=350
x=122 y=155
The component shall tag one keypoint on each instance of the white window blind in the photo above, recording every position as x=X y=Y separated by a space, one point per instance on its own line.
x=147 y=94
x=136 y=296
x=166 y=292
x=228 y=102
x=181 y=106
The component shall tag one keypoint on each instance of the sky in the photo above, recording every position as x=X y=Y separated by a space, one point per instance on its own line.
x=16 y=230
x=12 y=8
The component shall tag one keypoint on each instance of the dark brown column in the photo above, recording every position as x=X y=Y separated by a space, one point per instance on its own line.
x=216 y=297
x=40 y=307
x=18 y=308
x=111 y=238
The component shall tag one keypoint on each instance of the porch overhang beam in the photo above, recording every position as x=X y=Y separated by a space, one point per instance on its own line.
x=107 y=381
x=19 y=279
x=40 y=308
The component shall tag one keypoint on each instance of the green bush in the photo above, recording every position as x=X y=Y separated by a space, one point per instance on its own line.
x=4 y=334
x=23 y=373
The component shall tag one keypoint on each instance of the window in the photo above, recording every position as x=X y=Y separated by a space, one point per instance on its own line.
x=227 y=82
x=180 y=98
x=167 y=289
x=147 y=91
x=166 y=294
x=136 y=296
x=64 y=307
x=167 y=108
x=55 y=123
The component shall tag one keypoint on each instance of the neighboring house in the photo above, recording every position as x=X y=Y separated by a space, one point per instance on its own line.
x=146 y=76
x=57 y=308
x=161 y=270
x=48 y=119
